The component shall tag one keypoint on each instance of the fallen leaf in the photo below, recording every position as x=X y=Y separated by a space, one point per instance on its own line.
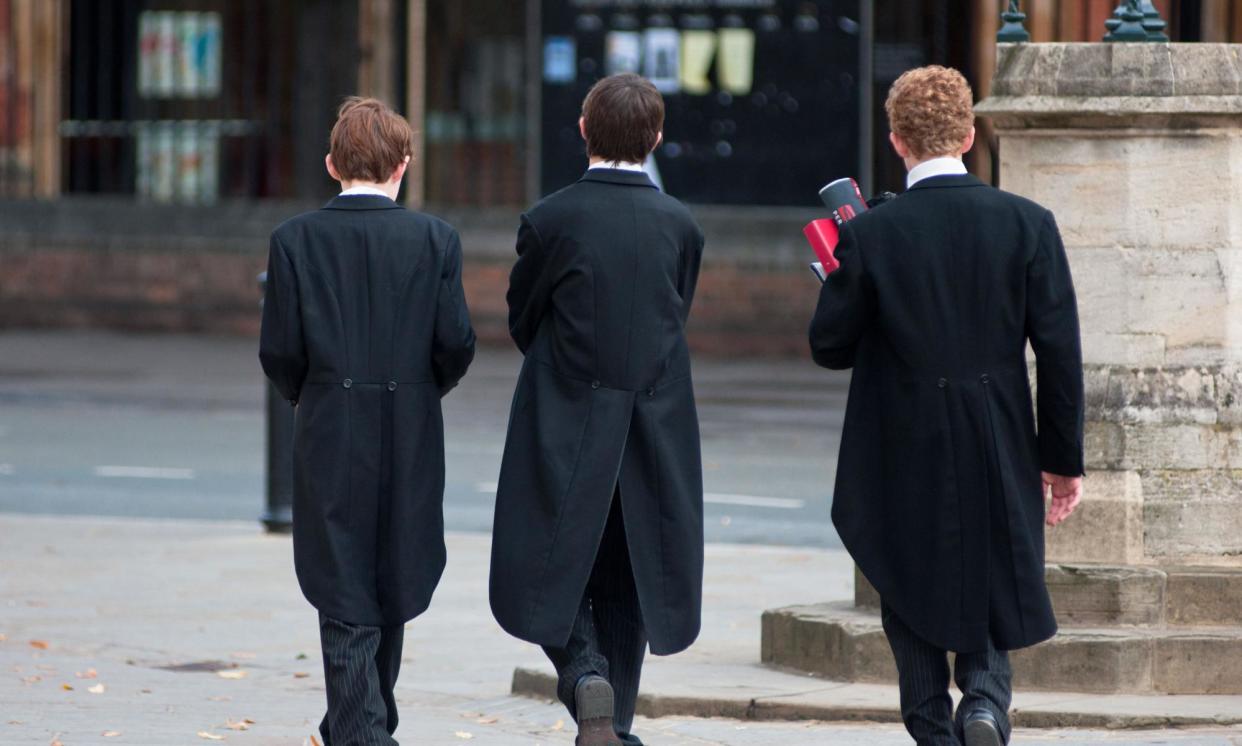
x=3 y=637
x=235 y=673
x=243 y=724
x=66 y=687
x=301 y=675
x=463 y=735
x=145 y=691
x=560 y=725
x=209 y=736
x=111 y=733
x=32 y=680
x=57 y=743
x=302 y=657
x=40 y=644
x=89 y=673
x=97 y=689
x=487 y=721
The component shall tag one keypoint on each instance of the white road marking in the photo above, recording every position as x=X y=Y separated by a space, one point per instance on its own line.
x=143 y=472
x=715 y=498
x=7 y=470
x=755 y=501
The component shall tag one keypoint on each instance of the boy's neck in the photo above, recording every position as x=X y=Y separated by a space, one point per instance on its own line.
x=391 y=189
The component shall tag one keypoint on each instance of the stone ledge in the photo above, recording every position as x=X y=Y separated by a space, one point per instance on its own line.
x=840 y=642
x=761 y=693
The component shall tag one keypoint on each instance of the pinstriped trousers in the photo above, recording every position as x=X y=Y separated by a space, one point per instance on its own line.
x=984 y=679
x=608 y=636
x=360 y=666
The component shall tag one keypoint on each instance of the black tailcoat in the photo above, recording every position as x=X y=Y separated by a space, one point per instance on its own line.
x=938 y=495
x=365 y=326
x=598 y=302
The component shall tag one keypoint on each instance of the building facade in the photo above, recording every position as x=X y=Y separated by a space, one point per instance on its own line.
x=147 y=147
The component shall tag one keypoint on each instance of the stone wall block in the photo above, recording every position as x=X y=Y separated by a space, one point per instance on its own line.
x=1107 y=528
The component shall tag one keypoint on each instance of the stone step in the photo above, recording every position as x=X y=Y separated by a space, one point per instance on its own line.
x=842 y=642
x=1108 y=595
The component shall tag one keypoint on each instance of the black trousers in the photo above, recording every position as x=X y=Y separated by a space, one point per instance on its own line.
x=360 y=666
x=608 y=636
x=984 y=679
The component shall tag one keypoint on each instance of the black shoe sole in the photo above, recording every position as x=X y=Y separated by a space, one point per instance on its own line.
x=594 y=701
x=982 y=733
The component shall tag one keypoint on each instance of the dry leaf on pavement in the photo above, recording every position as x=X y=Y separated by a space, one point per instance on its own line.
x=111 y=733
x=243 y=724
x=235 y=673
x=209 y=736
x=301 y=675
x=32 y=680
x=97 y=689
x=66 y=687
x=89 y=673
x=487 y=721
x=39 y=644
x=560 y=725
x=3 y=637
x=56 y=742
x=463 y=735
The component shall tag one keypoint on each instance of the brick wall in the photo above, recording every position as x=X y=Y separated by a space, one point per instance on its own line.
x=123 y=266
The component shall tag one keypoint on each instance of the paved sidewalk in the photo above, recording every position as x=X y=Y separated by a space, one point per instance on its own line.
x=158 y=631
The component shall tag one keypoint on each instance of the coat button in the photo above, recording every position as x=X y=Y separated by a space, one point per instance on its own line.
x=392 y=385
x=594 y=384
x=984 y=379
x=347 y=383
x=942 y=383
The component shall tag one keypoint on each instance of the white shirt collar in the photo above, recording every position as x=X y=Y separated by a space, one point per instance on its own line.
x=944 y=166
x=364 y=190
x=618 y=165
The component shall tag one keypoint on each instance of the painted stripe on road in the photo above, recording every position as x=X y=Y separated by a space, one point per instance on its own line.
x=143 y=472
x=715 y=498
x=754 y=501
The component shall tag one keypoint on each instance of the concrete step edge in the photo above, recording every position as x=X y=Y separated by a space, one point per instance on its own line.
x=542 y=685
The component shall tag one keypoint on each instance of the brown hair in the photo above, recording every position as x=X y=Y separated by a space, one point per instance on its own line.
x=624 y=115
x=930 y=109
x=369 y=140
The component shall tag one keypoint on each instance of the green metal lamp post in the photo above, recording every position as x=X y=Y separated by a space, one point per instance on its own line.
x=1012 y=31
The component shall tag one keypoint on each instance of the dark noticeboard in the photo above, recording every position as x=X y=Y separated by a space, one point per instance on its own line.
x=762 y=96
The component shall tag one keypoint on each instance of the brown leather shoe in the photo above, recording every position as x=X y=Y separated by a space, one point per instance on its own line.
x=593 y=700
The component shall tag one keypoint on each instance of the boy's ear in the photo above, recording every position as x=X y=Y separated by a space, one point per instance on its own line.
x=327 y=161
x=970 y=142
x=582 y=127
x=899 y=145
x=659 y=140
x=399 y=172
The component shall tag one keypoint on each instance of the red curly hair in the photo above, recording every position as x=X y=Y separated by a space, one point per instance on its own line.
x=931 y=110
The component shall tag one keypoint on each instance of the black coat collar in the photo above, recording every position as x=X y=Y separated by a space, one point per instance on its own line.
x=948 y=181
x=361 y=202
x=618 y=176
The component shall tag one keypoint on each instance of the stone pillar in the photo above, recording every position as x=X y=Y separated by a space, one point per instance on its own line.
x=1137 y=149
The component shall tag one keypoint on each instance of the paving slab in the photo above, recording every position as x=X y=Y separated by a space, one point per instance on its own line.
x=158 y=631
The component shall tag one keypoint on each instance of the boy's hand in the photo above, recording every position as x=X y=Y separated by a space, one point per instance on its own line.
x=1066 y=493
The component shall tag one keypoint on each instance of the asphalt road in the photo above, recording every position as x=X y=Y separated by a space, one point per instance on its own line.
x=172 y=426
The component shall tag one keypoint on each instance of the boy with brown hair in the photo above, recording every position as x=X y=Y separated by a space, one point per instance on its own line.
x=943 y=473
x=598 y=545
x=365 y=328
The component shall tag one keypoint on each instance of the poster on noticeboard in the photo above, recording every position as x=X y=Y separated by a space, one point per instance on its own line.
x=761 y=96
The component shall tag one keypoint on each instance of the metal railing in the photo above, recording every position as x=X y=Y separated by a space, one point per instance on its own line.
x=1132 y=21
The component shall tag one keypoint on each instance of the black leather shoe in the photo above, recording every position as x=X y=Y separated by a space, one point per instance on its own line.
x=593 y=701
x=982 y=729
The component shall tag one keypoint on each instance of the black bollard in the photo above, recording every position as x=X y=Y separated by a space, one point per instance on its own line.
x=277 y=517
